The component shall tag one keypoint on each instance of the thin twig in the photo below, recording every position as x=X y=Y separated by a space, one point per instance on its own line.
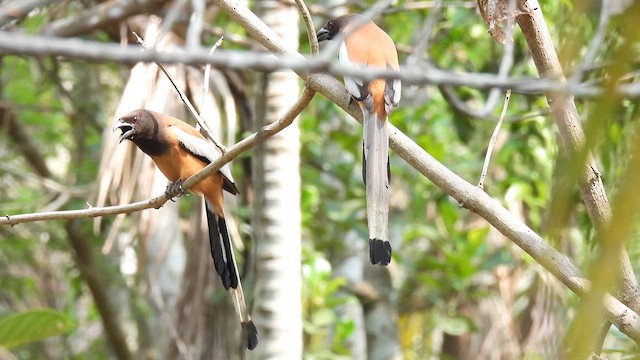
x=175 y=10
x=205 y=129
x=207 y=73
x=194 y=31
x=494 y=136
x=602 y=336
x=308 y=23
x=595 y=44
x=424 y=40
x=503 y=71
x=449 y=92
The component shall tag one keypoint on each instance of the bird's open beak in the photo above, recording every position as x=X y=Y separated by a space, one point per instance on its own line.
x=127 y=129
x=322 y=34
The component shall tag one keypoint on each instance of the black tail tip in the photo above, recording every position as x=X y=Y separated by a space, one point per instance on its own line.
x=228 y=280
x=251 y=333
x=379 y=252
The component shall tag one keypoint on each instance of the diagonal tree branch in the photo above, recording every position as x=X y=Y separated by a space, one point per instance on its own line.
x=15 y=132
x=564 y=111
x=91 y=274
x=475 y=199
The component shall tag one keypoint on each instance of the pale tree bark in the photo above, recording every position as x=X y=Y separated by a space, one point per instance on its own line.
x=581 y=166
x=277 y=228
x=573 y=138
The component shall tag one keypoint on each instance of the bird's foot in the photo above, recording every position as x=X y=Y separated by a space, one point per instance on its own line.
x=174 y=190
x=351 y=100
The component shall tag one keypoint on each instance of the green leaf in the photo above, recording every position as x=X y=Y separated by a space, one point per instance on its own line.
x=455 y=325
x=31 y=326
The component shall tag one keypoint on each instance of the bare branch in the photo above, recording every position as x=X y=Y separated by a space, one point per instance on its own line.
x=308 y=23
x=492 y=142
x=85 y=213
x=207 y=73
x=204 y=128
x=20 y=44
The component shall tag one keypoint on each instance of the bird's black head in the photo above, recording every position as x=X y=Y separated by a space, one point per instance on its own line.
x=142 y=127
x=136 y=124
x=333 y=27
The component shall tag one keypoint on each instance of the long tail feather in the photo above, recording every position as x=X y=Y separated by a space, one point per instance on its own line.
x=377 y=176
x=228 y=253
x=225 y=264
x=217 y=249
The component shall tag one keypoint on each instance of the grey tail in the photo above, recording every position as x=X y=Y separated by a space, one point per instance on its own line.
x=376 y=176
x=221 y=250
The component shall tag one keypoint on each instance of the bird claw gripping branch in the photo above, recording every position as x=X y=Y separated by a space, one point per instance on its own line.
x=174 y=189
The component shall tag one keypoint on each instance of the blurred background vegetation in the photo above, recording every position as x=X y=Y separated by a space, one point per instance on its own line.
x=457 y=288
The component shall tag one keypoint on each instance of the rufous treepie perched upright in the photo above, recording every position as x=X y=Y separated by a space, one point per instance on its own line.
x=363 y=43
x=180 y=151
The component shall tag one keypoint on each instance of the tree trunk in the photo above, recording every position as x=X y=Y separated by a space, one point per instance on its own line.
x=277 y=216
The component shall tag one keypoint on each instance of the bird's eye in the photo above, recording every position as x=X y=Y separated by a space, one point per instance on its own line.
x=135 y=119
x=330 y=24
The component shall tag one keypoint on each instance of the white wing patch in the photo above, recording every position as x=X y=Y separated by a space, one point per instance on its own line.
x=397 y=90
x=201 y=147
x=353 y=85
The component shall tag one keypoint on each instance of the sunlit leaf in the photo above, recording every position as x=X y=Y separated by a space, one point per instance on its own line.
x=31 y=326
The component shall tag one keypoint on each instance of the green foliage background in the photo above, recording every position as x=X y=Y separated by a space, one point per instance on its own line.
x=442 y=249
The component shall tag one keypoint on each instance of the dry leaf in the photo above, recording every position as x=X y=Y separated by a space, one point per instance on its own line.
x=498 y=15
